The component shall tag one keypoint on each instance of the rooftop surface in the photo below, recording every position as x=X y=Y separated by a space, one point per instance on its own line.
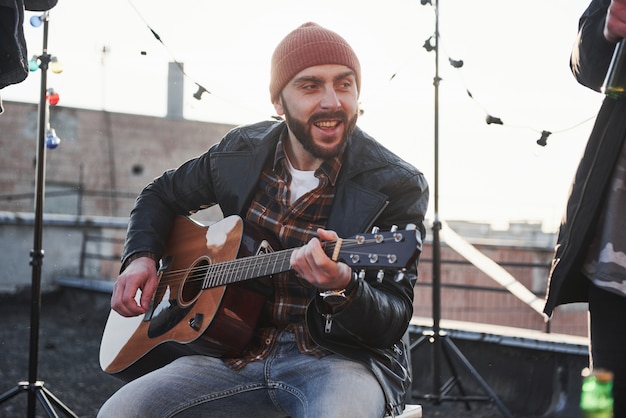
x=70 y=330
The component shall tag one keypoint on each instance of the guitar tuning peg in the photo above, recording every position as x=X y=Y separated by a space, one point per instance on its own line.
x=362 y=274
x=380 y=276
x=411 y=227
x=375 y=230
x=394 y=228
x=399 y=276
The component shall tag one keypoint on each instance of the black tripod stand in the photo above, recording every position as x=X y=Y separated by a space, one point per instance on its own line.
x=439 y=339
x=35 y=388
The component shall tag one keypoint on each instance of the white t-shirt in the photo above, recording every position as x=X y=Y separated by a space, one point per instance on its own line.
x=302 y=182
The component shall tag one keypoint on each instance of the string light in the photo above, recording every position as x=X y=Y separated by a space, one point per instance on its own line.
x=52 y=97
x=198 y=94
x=455 y=63
x=492 y=119
x=55 y=66
x=201 y=89
x=489 y=119
x=37 y=21
x=45 y=62
x=52 y=140
x=428 y=44
x=33 y=63
x=544 y=138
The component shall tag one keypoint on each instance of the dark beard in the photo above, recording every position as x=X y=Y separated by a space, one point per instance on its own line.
x=302 y=132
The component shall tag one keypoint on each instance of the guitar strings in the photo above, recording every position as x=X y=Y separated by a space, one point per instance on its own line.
x=235 y=268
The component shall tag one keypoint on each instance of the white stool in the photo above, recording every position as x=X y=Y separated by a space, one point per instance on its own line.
x=411 y=411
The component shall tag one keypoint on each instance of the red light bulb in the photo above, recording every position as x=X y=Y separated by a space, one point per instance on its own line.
x=53 y=98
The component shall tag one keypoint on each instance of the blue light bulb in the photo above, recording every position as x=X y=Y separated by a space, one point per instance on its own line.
x=36 y=21
x=52 y=140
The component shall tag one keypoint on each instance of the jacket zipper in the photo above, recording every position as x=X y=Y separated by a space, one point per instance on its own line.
x=329 y=323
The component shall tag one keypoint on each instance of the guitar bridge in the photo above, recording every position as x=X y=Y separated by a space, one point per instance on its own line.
x=196 y=321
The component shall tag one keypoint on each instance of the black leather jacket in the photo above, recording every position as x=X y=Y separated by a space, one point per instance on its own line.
x=374 y=188
x=590 y=61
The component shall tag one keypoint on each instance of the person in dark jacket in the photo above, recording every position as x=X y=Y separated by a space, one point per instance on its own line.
x=590 y=256
x=331 y=338
x=13 y=50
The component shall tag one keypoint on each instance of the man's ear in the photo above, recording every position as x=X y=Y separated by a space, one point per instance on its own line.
x=278 y=106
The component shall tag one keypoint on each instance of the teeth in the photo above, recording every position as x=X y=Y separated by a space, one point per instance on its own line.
x=327 y=124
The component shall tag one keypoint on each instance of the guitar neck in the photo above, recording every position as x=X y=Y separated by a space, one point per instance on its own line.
x=246 y=268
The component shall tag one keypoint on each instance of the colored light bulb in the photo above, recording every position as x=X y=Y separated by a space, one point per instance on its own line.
x=55 y=66
x=53 y=98
x=33 y=64
x=36 y=21
x=52 y=140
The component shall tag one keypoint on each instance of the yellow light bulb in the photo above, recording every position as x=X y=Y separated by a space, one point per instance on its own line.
x=55 y=66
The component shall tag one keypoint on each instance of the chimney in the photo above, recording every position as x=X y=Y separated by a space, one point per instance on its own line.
x=175 y=87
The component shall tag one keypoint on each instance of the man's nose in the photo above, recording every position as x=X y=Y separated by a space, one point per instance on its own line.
x=330 y=99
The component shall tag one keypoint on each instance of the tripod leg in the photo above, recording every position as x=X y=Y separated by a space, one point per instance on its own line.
x=47 y=399
x=455 y=377
x=474 y=373
x=58 y=403
x=10 y=393
x=418 y=342
x=47 y=406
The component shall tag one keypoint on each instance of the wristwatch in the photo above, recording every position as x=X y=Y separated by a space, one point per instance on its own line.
x=333 y=297
x=336 y=297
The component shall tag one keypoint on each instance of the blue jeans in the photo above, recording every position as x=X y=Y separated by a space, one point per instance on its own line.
x=286 y=384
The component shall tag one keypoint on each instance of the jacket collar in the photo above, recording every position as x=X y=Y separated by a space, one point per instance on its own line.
x=356 y=205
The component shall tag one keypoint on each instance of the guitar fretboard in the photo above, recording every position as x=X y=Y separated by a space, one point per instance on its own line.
x=246 y=268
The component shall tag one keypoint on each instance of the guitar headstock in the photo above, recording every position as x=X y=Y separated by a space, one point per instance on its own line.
x=393 y=249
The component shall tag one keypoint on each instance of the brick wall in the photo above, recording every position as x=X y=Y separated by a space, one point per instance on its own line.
x=108 y=157
x=468 y=294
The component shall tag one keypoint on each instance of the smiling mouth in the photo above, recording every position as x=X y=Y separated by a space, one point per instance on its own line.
x=326 y=124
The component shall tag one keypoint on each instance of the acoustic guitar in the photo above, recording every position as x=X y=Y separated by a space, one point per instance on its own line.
x=206 y=302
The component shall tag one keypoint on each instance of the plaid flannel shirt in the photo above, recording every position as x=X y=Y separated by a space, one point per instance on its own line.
x=293 y=225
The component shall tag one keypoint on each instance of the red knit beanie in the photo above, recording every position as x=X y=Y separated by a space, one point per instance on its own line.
x=307 y=46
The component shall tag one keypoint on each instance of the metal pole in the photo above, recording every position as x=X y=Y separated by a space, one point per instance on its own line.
x=436 y=298
x=34 y=388
x=37 y=252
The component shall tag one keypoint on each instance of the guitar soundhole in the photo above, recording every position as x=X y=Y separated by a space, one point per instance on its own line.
x=192 y=287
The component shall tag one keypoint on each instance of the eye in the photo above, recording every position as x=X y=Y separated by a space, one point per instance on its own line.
x=344 y=85
x=308 y=87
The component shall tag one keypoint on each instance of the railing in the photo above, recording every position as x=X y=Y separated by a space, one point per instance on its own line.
x=471 y=294
x=108 y=260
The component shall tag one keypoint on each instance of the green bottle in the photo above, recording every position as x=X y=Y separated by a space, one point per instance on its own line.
x=596 y=397
x=615 y=83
